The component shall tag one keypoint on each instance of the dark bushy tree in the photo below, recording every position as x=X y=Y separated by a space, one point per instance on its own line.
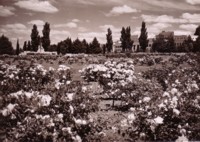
x=5 y=45
x=68 y=45
x=143 y=39
x=109 y=44
x=35 y=38
x=52 y=48
x=94 y=47
x=29 y=47
x=163 y=45
x=86 y=45
x=25 y=46
x=46 y=36
x=17 y=48
x=78 y=47
x=123 y=39
x=104 y=49
x=197 y=42
x=129 y=42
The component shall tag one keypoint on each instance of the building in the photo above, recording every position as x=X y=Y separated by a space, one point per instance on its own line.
x=165 y=35
x=117 y=48
x=136 y=45
x=178 y=39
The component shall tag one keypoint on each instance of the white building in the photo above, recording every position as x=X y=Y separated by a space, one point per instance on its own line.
x=136 y=45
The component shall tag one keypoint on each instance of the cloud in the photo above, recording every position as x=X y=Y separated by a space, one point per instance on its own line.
x=182 y=32
x=82 y=29
x=89 y=36
x=15 y=26
x=167 y=5
x=193 y=2
x=162 y=19
x=37 y=5
x=189 y=27
x=75 y=20
x=36 y=22
x=15 y=29
x=113 y=28
x=153 y=29
x=191 y=18
x=58 y=35
x=6 y=11
x=69 y=25
x=118 y=10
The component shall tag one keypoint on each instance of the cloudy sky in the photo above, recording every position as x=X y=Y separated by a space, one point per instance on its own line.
x=91 y=18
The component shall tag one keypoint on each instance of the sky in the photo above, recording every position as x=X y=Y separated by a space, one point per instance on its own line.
x=86 y=19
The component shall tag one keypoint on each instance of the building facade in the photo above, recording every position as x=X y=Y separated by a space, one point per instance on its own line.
x=178 y=39
x=136 y=45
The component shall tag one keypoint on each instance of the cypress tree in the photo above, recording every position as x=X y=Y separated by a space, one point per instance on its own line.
x=46 y=39
x=17 y=48
x=29 y=48
x=197 y=42
x=129 y=42
x=109 y=43
x=143 y=39
x=35 y=39
x=25 y=46
x=68 y=44
x=5 y=45
x=94 y=47
x=123 y=39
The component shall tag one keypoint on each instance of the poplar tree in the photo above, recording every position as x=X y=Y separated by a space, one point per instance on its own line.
x=25 y=46
x=143 y=39
x=123 y=39
x=17 y=48
x=35 y=39
x=109 y=43
x=46 y=36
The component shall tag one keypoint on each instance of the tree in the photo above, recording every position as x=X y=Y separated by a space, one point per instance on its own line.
x=46 y=39
x=78 y=47
x=68 y=45
x=163 y=45
x=17 y=48
x=123 y=39
x=129 y=42
x=197 y=42
x=52 y=48
x=94 y=47
x=29 y=47
x=58 y=50
x=5 y=45
x=104 y=49
x=143 y=39
x=109 y=43
x=35 y=38
x=25 y=46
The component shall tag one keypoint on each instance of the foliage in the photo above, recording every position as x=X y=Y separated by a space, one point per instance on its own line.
x=197 y=42
x=94 y=47
x=35 y=38
x=46 y=39
x=125 y=39
x=143 y=39
x=163 y=45
x=109 y=43
x=44 y=105
x=25 y=46
x=17 y=48
x=5 y=45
